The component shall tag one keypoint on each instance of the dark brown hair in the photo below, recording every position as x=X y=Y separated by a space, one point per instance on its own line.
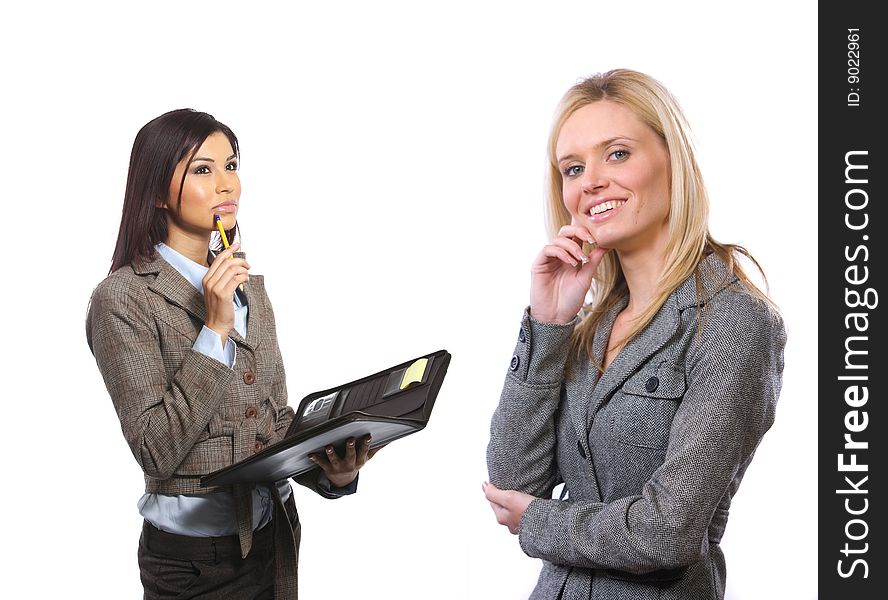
x=159 y=146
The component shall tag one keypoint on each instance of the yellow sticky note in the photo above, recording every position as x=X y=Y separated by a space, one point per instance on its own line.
x=414 y=373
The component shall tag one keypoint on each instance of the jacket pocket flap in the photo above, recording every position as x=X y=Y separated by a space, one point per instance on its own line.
x=657 y=382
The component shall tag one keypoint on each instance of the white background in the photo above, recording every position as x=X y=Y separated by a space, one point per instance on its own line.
x=392 y=171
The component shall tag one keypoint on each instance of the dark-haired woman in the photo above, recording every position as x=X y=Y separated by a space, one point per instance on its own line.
x=193 y=367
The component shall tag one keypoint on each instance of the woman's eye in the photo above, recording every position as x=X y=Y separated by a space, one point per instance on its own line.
x=572 y=171
x=232 y=166
x=619 y=154
x=201 y=170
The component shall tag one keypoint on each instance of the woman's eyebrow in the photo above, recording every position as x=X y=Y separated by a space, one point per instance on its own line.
x=201 y=158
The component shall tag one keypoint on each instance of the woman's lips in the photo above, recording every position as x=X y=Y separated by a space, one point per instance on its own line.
x=610 y=207
x=226 y=208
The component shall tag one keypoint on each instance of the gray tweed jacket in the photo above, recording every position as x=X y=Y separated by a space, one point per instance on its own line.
x=650 y=453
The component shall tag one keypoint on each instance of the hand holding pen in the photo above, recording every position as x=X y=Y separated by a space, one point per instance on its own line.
x=218 y=221
x=225 y=273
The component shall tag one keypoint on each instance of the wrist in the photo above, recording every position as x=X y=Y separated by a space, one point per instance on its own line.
x=222 y=330
x=551 y=319
x=341 y=481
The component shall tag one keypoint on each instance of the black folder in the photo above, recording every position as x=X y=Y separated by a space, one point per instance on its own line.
x=388 y=405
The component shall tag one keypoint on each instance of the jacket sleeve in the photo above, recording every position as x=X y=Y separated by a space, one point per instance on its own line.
x=521 y=452
x=734 y=376
x=161 y=420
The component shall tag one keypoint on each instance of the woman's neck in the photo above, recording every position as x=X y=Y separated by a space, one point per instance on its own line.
x=642 y=270
x=191 y=246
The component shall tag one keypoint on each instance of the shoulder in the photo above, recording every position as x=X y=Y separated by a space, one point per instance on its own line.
x=736 y=305
x=739 y=325
x=120 y=285
x=722 y=303
x=122 y=292
x=120 y=297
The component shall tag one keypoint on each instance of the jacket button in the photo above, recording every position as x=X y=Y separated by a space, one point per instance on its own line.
x=258 y=446
x=249 y=377
x=515 y=362
x=522 y=337
x=580 y=448
x=251 y=412
x=651 y=384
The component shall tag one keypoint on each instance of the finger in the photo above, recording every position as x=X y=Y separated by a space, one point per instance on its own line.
x=364 y=452
x=223 y=288
x=220 y=267
x=350 y=454
x=320 y=460
x=572 y=247
x=502 y=514
x=575 y=231
x=553 y=251
x=215 y=277
x=219 y=260
x=583 y=232
x=335 y=462
x=494 y=494
x=587 y=271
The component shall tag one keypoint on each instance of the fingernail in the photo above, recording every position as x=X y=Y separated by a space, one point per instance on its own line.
x=329 y=450
x=585 y=260
x=573 y=262
x=352 y=443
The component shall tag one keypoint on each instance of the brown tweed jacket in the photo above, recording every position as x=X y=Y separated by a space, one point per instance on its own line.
x=184 y=414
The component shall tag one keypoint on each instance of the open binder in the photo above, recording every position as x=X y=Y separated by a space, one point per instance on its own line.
x=388 y=405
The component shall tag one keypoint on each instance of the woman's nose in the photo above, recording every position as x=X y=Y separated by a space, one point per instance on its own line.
x=226 y=182
x=593 y=181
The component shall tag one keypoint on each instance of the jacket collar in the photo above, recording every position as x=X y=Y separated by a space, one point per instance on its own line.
x=170 y=284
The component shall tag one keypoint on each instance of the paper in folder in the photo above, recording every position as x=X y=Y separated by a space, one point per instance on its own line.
x=388 y=405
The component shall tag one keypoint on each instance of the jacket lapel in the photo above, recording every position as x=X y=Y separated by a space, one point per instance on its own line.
x=580 y=410
x=170 y=284
x=177 y=290
x=658 y=332
x=713 y=276
x=255 y=314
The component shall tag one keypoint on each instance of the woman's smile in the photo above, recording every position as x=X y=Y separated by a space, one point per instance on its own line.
x=603 y=209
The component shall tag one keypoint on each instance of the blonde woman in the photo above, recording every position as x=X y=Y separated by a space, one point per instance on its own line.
x=649 y=405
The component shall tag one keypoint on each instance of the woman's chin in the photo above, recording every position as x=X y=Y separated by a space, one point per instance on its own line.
x=228 y=221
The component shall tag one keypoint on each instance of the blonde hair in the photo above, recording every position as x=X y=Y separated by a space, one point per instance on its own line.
x=688 y=234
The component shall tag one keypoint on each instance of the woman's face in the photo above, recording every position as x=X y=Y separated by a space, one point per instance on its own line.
x=615 y=177
x=212 y=187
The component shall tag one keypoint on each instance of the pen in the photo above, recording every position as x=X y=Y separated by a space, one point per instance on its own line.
x=225 y=243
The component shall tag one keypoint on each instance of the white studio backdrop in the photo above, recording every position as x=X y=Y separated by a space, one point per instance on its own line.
x=392 y=171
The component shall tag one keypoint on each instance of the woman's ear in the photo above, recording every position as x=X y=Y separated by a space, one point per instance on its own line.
x=160 y=203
